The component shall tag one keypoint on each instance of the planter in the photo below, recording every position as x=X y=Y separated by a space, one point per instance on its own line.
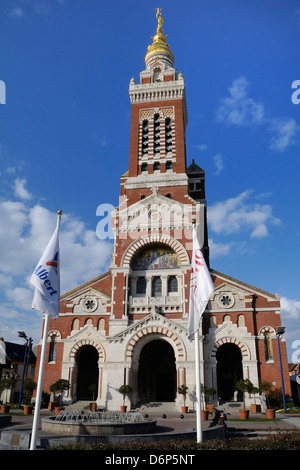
x=184 y=409
x=210 y=408
x=93 y=406
x=28 y=409
x=270 y=414
x=5 y=408
x=58 y=409
x=123 y=408
x=255 y=409
x=244 y=414
x=204 y=414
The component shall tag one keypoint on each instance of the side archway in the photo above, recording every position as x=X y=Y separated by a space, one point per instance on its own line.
x=244 y=349
x=86 y=342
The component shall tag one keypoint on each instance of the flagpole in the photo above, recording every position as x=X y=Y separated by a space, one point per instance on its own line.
x=38 y=398
x=198 y=388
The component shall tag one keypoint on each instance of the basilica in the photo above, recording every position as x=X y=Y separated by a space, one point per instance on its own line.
x=130 y=325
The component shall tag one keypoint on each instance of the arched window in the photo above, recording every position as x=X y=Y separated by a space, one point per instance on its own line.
x=169 y=165
x=145 y=137
x=144 y=167
x=89 y=321
x=172 y=284
x=156 y=75
x=156 y=166
x=52 y=349
x=141 y=285
x=101 y=324
x=156 y=133
x=156 y=286
x=268 y=346
x=168 y=132
x=75 y=324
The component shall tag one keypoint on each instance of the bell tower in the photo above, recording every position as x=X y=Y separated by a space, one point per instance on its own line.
x=158 y=121
x=160 y=197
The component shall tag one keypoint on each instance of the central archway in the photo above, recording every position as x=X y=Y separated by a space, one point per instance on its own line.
x=157 y=372
x=88 y=372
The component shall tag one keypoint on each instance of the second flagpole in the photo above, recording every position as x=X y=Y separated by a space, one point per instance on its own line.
x=198 y=387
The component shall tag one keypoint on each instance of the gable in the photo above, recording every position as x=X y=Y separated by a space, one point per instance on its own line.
x=88 y=301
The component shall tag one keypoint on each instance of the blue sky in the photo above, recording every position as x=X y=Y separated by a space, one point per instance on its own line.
x=64 y=136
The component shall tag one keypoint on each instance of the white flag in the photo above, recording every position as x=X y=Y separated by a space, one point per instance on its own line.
x=46 y=278
x=201 y=287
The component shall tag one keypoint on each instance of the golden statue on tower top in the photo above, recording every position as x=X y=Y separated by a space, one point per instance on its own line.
x=159 y=40
x=160 y=20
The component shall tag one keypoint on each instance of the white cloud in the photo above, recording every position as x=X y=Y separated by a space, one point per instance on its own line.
x=20 y=190
x=239 y=213
x=16 y=13
x=201 y=147
x=238 y=108
x=218 y=249
x=219 y=164
x=25 y=231
x=284 y=132
x=290 y=308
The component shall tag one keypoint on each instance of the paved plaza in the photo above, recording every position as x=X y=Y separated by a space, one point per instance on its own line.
x=167 y=423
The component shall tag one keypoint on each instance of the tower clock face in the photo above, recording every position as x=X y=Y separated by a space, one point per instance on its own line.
x=154 y=215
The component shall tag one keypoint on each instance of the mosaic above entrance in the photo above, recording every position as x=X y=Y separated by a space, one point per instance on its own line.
x=156 y=258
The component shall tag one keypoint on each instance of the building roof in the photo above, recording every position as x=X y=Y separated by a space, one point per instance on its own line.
x=16 y=352
x=194 y=168
x=244 y=284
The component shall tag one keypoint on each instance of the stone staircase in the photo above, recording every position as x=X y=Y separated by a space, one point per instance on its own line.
x=157 y=407
x=79 y=405
x=230 y=407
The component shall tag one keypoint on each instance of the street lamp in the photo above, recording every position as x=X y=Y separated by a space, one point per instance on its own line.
x=22 y=334
x=279 y=332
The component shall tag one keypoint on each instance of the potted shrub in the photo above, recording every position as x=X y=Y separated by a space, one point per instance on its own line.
x=124 y=390
x=204 y=412
x=59 y=386
x=29 y=386
x=244 y=385
x=266 y=387
x=5 y=408
x=182 y=390
x=209 y=391
x=93 y=389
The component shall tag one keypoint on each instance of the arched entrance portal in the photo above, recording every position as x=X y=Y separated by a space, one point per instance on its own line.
x=229 y=370
x=157 y=372
x=87 y=363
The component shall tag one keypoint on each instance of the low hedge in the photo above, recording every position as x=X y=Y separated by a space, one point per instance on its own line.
x=287 y=440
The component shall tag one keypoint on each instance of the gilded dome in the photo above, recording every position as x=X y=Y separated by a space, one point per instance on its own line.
x=159 y=44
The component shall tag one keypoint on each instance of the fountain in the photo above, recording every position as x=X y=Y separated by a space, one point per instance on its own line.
x=98 y=423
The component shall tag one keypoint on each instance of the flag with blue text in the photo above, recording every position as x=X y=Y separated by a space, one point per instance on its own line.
x=46 y=278
x=201 y=287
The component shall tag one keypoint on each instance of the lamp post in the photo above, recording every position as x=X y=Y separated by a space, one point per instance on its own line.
x=279 y=332
x=22 y=334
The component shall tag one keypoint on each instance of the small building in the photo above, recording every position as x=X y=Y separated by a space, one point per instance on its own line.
x=12 y=358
